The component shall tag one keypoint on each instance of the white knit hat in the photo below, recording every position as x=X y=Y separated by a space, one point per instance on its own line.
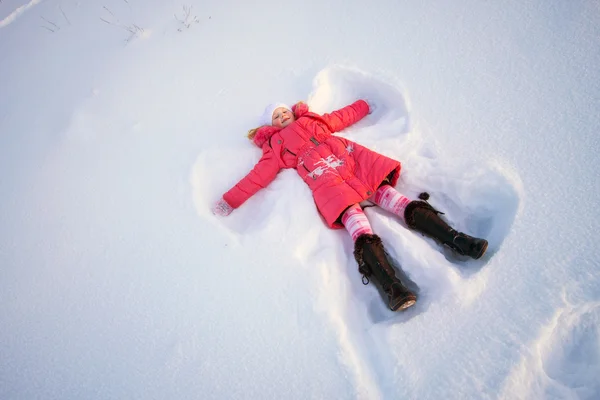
x=267 y=117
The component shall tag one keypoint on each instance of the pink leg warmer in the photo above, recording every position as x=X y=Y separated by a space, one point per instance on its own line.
x=356 y=222
x=390 y=200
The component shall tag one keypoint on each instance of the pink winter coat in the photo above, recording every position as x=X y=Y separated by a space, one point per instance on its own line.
x=339 y=172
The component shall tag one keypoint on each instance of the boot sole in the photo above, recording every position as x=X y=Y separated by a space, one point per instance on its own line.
x=482 y=252
x=408 y=303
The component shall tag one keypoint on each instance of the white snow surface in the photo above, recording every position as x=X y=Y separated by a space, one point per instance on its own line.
x=122 y=122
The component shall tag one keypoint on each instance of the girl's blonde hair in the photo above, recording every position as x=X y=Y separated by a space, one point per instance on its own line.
x=252 y=133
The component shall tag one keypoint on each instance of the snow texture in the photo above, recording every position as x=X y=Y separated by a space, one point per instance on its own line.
x=123 y=122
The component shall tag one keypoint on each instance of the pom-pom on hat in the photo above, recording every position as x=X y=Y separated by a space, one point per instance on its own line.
x=267 y=117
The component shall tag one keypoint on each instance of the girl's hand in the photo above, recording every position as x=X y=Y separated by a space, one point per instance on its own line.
x=222 y=208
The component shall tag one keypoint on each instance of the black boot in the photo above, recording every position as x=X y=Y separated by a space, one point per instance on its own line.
x=372 y=261
x=420 y=216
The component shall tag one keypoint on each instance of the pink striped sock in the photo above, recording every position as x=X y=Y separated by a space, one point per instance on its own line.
x=390 y=200
x=356 y=222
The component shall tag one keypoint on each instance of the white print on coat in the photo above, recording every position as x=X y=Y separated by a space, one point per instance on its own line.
x=349 y=148
x=326 y=165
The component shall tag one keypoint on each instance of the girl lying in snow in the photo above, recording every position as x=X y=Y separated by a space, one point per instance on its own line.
x=341 y=174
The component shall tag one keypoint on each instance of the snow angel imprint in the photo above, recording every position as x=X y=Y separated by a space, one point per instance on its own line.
x=341 y=174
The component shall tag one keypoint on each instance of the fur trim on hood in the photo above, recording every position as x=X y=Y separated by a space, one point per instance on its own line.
x=264 y=133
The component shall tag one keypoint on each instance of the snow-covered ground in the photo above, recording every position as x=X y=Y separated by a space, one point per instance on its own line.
x=123 y=121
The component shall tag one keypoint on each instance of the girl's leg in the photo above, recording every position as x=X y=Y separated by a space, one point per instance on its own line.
x=390 y=200
x=372 y=260
x=356 y=222
x=419 y=215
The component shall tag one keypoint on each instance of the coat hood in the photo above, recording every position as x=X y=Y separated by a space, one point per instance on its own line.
x=264 y=133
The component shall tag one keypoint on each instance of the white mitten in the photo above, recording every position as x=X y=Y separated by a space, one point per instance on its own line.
x=222 y=208
x=372 y=105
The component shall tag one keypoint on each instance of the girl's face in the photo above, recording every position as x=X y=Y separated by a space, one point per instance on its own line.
x=282 y=117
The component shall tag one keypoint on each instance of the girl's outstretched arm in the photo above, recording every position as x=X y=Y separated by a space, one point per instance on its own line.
x=263 y=173
x=344 y=117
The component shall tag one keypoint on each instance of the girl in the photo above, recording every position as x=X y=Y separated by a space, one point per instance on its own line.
x=341 y=174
